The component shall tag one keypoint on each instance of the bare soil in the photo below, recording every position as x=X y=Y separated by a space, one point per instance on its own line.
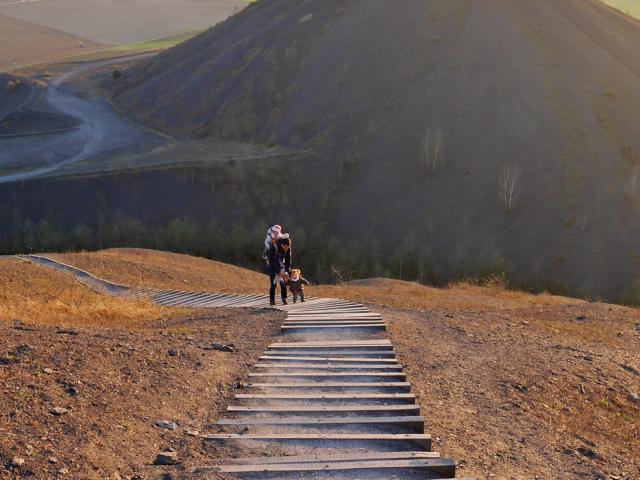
x=528 y=392
x=114 y=385
x=22 y=43
x=512 y=385
x=115 y=22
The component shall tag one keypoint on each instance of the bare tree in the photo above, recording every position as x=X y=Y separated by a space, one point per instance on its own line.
x=434 y=151
x=633 y=183
x=509 y=186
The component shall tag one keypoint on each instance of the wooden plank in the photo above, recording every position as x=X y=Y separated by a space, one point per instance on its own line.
x=440 y=466
x=337 y=342
x=327 y=366
x=414 y=422
x=409 y=397
x=331 y=375
x=328 y=346
x=420 y=438
x=326 y=458
x=329 y=326
x=330 y=359
x=180 y=300
x=335 y=320
x=330 y=385
x=326 y=409
x=380 y=353
x=331 y=322
x=166 y=294
x=334 y=313
x=326 y=313
x=382 y=326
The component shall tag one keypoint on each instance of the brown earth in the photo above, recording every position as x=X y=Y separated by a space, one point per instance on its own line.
x=117 y=22
x=484 y=358
x=517 y=385
x=115 y=384
x=63 y=345
x=22 y=43
x=151 y=268
x=512 y=385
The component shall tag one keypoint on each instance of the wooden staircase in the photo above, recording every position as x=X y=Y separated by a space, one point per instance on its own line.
x=330 y=393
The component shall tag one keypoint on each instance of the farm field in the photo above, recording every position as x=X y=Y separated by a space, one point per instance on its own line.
x=22 y=42
x=113 y=22
x=632 y=7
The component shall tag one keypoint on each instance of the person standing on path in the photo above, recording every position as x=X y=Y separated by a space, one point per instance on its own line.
x=279 y=265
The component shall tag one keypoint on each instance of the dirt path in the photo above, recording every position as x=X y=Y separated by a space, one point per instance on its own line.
x=328 y=399
x=100 y=130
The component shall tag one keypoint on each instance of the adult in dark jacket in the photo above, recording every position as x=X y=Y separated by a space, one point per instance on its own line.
x=279 y=266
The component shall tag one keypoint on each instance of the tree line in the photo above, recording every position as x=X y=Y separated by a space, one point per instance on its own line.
x=323 y=258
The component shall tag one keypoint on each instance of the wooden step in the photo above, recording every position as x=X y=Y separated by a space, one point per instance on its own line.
x=365 y=347
x=331 y=314
x=331 y=375
x=350 y=326
x=375 y=342
x=420 y=438
x=326 y=409
x=325 y=458
x=330 y=359
x=332 y=324
x=315 y=353
x=327 y=366
x=414 y=422
x=330 y=385
x=334 y=320
x=440 y=466
x=406 y=397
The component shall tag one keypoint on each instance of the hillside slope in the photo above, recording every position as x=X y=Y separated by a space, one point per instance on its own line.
x=515 y=385
x=421 y=110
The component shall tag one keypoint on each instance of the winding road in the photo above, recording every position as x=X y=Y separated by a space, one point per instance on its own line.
x=101 y=130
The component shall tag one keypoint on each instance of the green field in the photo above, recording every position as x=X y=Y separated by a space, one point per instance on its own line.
x=631 y=7
x=133 y=48
x=165 y=42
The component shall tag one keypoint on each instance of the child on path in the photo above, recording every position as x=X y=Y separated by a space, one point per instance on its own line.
x=296 y=284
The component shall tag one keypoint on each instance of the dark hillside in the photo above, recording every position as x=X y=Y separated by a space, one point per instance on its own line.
x=426 y=108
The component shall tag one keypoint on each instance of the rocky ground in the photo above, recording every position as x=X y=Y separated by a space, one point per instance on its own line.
x=512 y=385
x=96 y=403
x=533 y=393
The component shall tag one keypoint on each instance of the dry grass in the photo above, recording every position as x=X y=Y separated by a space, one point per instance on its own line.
x=39 y=295
x=457 y=297
x=150 y=268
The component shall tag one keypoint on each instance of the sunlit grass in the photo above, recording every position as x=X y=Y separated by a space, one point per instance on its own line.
x=156 y=44
x=631 y=7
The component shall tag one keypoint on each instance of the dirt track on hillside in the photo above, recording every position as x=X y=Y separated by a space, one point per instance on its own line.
x=100 y=130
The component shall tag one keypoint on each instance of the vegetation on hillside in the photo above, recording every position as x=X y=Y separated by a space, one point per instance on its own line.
x=39 y=295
